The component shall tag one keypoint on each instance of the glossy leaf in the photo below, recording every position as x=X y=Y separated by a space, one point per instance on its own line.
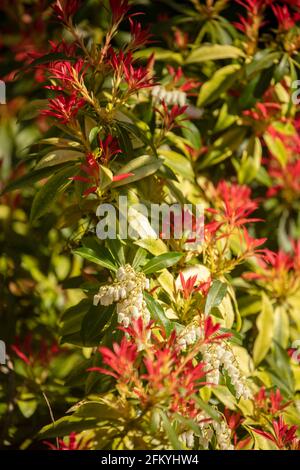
x=214 y=52
x=165 y=260
x=215 y=295
x=48 y=193
x=223 y=79
x=265 y=326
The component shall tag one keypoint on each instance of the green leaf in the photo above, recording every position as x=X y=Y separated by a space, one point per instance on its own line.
x=262 y=60
x=158 y=314
x=94 y=132
x=281 y=326
x=139 y=258
x=166 y=173
x=59 y=142
x=224 y=146
x=249 y=305
x=106 y=177
x=141 y=131
x=72 y=318
x=125 y=141
x=48 y=193
x=225 y=119
x=263 y=83
x=64 y=426
x=284 y=240
x=276 y=148
x=154 y=246
x=223 y=79
x=172 y=436
x=53 y=56
x=214 y=52
x=99 y=410
x=94 y=322
x=261 y=442
x=31 y=177
x=263 y=177
x=59 y=156
x=282 y=68
x=72 y=338
x=101 y=256
x=265 y=326
x=214 y=414
x=32 y=109
x=215 y=295
x=224 y=395
x=27 y=406
x=178 y=163
x=192 y=134
x=189 y=423
x=165 y=260
x=141 y=167
x=116 y=248
x=280 y=369
x=160 y=54
x=248 y=166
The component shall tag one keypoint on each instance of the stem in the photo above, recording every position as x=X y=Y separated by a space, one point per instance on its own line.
x=80 y=42
x=51 y=415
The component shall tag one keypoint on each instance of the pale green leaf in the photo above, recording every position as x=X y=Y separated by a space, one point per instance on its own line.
x=223 y=79
x=214 y=52
x=265 y=326
x=59 y=156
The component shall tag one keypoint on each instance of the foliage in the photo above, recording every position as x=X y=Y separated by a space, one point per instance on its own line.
x=144 y=343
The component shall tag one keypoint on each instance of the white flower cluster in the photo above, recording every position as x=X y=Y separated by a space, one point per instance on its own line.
x=127 y=292
x=217 y=355
x=170 y=97
x=187 y=439
x=222 y=432
x=223 y=435
x=190 y=335
x=206 y=430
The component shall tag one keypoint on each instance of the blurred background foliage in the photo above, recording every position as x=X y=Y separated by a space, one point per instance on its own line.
x=243 y=127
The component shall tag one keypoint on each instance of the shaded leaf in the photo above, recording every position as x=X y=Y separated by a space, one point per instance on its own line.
x=265 y=326
x=165 y=260
x=214 y=52
x=215 y=295
x=223 y=79
x=59 y=156
x=158 y=314
x=48 y=193
x=141 y=167
x=94 y=322
x=64 y=426
x=100 y=257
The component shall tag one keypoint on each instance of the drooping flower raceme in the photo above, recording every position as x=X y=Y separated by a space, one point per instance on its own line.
x=208 y=427
x=127 y=292
x=223 y=435
x=218 y=356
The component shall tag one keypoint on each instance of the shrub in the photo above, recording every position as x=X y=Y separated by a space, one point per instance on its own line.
x=166 y=338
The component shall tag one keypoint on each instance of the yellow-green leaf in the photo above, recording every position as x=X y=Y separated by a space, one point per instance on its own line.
x=264 y=323
x=281 y=327
x=218 y=84
x=213 y=52
x=58 y=156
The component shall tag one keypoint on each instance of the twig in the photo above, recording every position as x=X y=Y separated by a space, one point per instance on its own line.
x=51 y=415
